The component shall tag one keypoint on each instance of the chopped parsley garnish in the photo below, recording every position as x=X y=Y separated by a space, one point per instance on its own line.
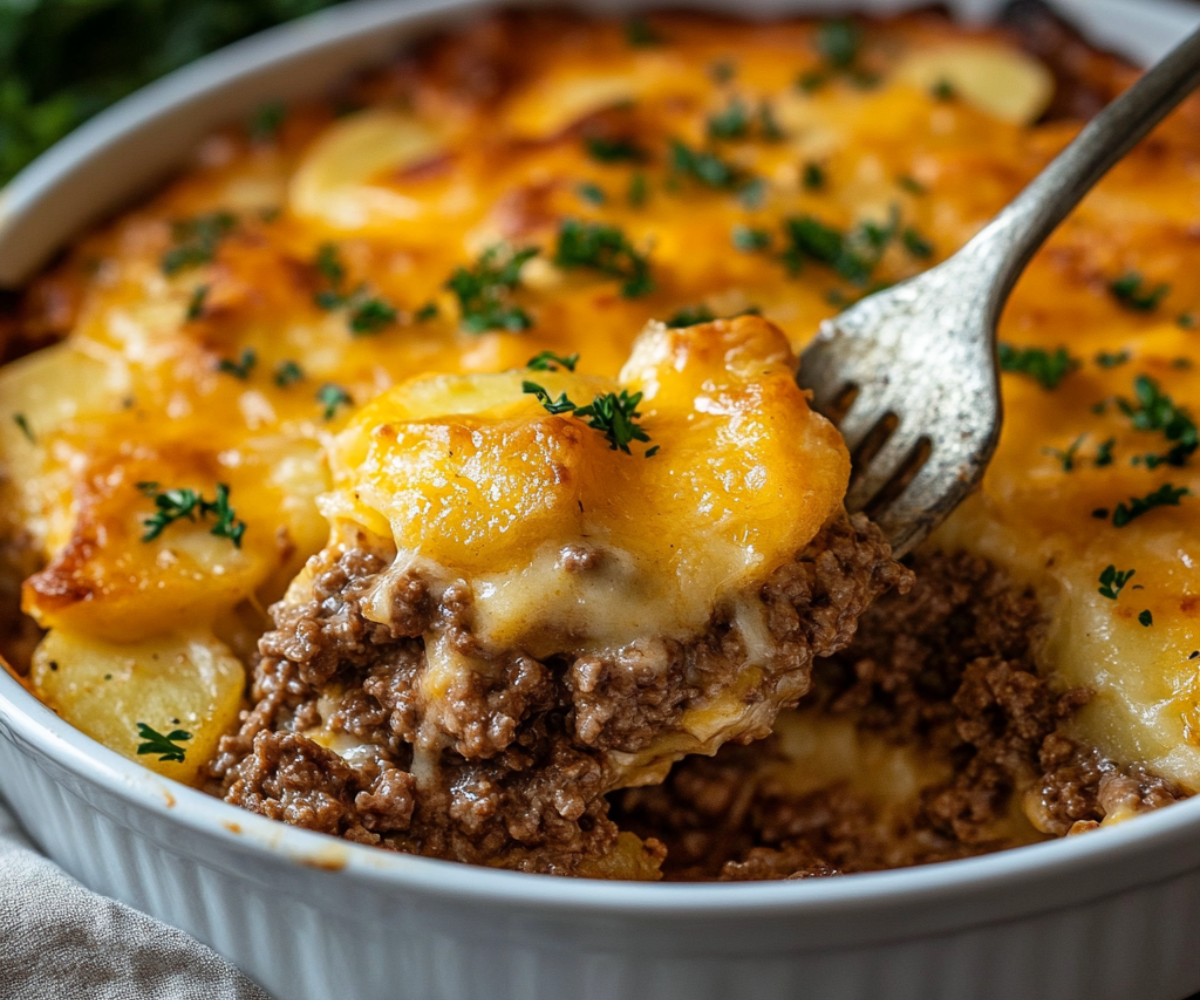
x=195 y=309
x=752 y=192
x=749 y=239
x=768 y=127
x=1181 y=364
x=287 y=373
x=331 y=396
x=1106 y=359
x=613 y=415
x=593 y=194
x=1066 y=458
x=1146 y=619
x=813 y=178
x=943 y=90
x=366 y=314
x=426 y=313
x=1047 y=369
x=853 y=255
x=1113 y=580
x=606 y=249
x=638 y=190
x=164 y=746
x=1129 y=290
x=691 y=316
x=839 y=43
x=196 y=241
x=23 y=423
x=911 y=185
x=484 y=291
x=1104 y=455
x=1154 y=410
x=1186 y=321
x=641 y=34
x=175 y=505
x=548 y=361
x=266 y=122
x=916 y=244
x=607 y=150
x=240 y=368
x=722 y=71
x=706 y=168
x=732 y=123
x=1165 y=496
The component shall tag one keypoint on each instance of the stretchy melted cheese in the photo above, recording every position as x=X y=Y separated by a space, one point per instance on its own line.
x=747 y=170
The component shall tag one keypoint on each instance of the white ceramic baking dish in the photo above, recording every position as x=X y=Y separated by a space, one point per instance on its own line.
x=1113 y=915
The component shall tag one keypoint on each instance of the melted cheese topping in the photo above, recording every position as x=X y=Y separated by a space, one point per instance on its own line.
x=440 y=165
x=474 y=479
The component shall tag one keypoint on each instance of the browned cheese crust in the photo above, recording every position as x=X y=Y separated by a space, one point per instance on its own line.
x=524 y=776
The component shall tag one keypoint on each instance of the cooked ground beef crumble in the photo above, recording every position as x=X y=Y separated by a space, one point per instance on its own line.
x=522 y=750
x=947 y=667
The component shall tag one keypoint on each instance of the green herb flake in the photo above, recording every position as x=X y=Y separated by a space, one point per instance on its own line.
x=911 y=185
x=606 y=249
x=1187 y=321
x=732 y=123
x=287 y=373
x=242 y=367
x=606 y=150
x=943 y=90
x=748 y=239
x=195 y=307
x=810 y=81
x=328 y=263
x=484 y=291
x=854 y=255
x=593 y=194
x=369 y=315
x=548 y=361
x=839 y=43
x=813 y=177
x=1104 y=454
x=1154 y=411
x=1129 y=290
x=427 y=312
x=752 y=193
x=1047 y=369
x=551 y=405
x=722 y=71
x=266 y=122
x=916 y=244
x=1066 y=458
x=1165 y=496
x=180 y=504
x=155 y=742
x=613 y=415
x=691 y=316
x=331 y=396
x=1113 y=580
x=651 y=452
x=704 y=167
x=641 y=34
x=196 y=241
x=22 y=422
x=638 y=190
x=1146 y=619
x=1106 y=359
x=769 y=128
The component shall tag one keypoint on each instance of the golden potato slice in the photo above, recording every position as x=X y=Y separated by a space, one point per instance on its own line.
x=189 y=682
x=997 y=79
x=338 y=181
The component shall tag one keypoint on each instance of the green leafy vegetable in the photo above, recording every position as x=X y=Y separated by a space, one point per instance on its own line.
x=749 y=239
x=599 y=247
x=1129 y=290
x=813 y=178
x=331 y=396
x=943 y=90
x=1106 y=359
x=1104 y=455
x=426 y=313
x=1066 y=458
x=691 y=316
x=706 y=168
x=240 y=368
x=593 y=194
x=1165 y=496
x=732 y=123
x=641 y=34
x=916 y=244
x=1154 y=410
x=854 y=255
x=548 y=361
x=195 y=309
x=552 y=405
x=911 y=185
x=839 y=43
x=613 y=415
x=1047 y=369
x=365 y=313
x=1146 y=619
x=287 y=373
x=23 y=423
x=164 y=746
x=638 y=190
x=370 y=315
x=606 y=150
x=266 y=122
x=1113 y=580
x=485 y=291
x=196 y=241
x=180 y=504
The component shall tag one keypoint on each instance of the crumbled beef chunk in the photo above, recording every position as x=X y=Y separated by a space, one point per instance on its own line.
x=947 y=667
x=512 y=758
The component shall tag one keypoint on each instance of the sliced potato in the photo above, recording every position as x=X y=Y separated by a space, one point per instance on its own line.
x=997 y=79
x=188 y=682
x=337 y=182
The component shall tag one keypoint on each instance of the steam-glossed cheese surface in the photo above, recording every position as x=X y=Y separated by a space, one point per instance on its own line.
x=473 y=478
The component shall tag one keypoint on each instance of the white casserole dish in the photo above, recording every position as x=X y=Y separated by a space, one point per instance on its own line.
x=1110 y=916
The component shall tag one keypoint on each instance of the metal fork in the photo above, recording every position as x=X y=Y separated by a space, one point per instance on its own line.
x=910 y=375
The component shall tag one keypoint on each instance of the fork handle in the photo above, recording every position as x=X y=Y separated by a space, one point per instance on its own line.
x=1007 y=243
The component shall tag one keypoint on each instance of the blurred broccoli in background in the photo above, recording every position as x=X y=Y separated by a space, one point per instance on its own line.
x=61 y=61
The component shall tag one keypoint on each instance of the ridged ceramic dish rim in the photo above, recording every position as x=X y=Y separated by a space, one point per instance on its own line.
x=116 y=157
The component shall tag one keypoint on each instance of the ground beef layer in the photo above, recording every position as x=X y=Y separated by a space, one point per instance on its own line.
x=522 y=750
x=947 y=667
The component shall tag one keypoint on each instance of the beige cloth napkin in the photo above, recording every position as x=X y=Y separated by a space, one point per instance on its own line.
x=59 y=941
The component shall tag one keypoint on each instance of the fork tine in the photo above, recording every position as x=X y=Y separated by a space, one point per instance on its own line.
x=887 y=470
